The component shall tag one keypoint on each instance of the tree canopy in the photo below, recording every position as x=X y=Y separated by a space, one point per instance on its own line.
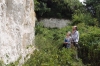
x=69 y=9
x=93 y=6
x=56 y=8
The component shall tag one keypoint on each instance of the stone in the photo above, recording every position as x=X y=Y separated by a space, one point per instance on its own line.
x=55 y=23
x=17 y=22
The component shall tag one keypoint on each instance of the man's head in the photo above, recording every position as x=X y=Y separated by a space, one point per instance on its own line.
x=74 y=28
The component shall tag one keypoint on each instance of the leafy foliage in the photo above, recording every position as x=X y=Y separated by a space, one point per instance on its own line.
x=49 y=42
x=50 y=53
x=56 y=8
x=93 y=6
x=10 y=64
x=84 y=18
x=70 y=9
x=90 y=44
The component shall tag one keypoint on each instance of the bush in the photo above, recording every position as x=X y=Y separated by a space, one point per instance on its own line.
x=84 y=18
x=90 y=44
x=56 y=8
x=50 y=53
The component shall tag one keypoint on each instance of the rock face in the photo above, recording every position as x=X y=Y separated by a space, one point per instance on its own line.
x=17 y=22
x=55 y=23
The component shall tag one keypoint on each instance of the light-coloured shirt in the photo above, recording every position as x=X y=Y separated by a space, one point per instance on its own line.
x=75 y=36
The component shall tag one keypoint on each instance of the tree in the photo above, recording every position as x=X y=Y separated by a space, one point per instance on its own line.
x=93 y=6
x=41 y=7
x=56 y=8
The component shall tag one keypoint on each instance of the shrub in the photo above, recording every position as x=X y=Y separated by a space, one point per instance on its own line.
x=50 y=53
x=90 y=43
x=84 y=18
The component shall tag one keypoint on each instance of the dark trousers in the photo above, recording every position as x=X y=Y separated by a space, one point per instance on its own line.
x=76 y=45
x=64 y=45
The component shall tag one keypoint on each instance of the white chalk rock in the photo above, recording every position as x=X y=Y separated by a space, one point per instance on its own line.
x=17 y=22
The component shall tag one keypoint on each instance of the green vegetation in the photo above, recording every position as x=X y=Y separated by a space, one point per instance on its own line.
x=84 y=18
x=50 y=52
x=49 y=41
x=93 y=6
x=14 y=63
x=56 y=8
x=11 y=64
x=69 y=9
x=90 y=44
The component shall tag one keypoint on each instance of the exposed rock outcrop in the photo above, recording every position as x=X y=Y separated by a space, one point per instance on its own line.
x=55 y=23
x=17 y=22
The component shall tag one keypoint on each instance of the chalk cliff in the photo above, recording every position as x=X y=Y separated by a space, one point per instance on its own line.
x=17 y=22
